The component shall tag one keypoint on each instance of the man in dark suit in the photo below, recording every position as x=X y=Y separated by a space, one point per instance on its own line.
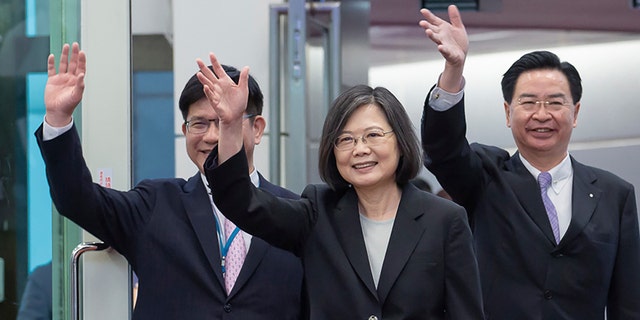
x=166 y=228
x=569 y=251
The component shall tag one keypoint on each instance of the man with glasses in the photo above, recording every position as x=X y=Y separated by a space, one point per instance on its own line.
x=168 y=229
x=555 y=239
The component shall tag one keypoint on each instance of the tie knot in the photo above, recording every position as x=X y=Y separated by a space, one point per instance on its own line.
x=544 y=179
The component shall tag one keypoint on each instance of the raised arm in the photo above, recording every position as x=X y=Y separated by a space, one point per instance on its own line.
x=229 y=100
x=453 y=44
x=64 y=88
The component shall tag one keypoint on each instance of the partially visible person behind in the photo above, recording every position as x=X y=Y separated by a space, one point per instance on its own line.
x=36 y=302
x=168 y=229
x=424 y=185
x=556 y=239
x=421 y=184
x=373 y=246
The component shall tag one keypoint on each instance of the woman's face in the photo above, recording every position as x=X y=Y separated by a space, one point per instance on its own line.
x=372 y=163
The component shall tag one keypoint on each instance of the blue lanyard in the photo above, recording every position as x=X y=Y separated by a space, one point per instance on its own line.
x=224 y=247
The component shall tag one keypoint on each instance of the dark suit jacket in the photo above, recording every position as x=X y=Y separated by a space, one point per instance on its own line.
x=524 y=274
x=166 y=230
x=36 y=303
x=429 y=271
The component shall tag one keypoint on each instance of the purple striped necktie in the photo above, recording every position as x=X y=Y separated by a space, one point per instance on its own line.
x=544 y=179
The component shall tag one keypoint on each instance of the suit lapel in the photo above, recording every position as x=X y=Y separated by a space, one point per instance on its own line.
x=405 y=236
x=257 y=250
x=526 y=189
x=349 y=232
x=198 y=208
x=584 y=199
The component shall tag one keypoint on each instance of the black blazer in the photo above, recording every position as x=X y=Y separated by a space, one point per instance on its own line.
x=166 y=230
x=524 y=274
x=429 y=271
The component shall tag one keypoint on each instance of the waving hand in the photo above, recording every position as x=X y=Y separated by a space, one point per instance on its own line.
x=64 y=88
x=453 y=44
x=229 y=101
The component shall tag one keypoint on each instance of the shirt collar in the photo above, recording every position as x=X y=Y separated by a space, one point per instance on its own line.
x=560 y=174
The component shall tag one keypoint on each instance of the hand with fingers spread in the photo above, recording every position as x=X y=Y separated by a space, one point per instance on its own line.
x=64 y=88
x=451 y=38
x=229 y=100
x=453 y=44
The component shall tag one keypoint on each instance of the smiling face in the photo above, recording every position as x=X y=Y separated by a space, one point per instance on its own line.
x=367 y=166
x=200 y=145
x=542 y=130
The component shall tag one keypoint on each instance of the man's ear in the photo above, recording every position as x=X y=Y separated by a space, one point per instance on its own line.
x=184 y=128
x=575 y=114
x=507 y=113
x=259 y=124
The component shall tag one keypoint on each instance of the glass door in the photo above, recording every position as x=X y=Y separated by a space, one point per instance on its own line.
x=25 y=207
x=35 y=241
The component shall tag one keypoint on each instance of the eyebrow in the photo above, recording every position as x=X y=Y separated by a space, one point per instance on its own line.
x=553 y=95
x=203 y=119
x=365 y=129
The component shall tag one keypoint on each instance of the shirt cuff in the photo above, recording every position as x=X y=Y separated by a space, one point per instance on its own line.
x=50 y=133
x=441 y=100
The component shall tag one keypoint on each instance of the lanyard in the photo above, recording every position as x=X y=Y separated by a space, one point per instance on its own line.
x=224 y=247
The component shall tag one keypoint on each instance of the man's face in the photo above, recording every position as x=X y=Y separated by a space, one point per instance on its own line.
x=542 y=114
x=199 y=145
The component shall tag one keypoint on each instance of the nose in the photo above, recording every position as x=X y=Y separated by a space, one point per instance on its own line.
x=361 y=146
x=541 y=111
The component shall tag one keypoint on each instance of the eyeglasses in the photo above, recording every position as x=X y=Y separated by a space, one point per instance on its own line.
x=371 y=138
x=200 y=125
x=531 y=105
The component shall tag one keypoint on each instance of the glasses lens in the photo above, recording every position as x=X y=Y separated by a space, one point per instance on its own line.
x=197 y=126
x=374 y=137
x=555 y=104
x=344 y=142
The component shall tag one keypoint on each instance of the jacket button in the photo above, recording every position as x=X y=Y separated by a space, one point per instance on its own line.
x=372 y=317
x=548 y=295
x=227 y=308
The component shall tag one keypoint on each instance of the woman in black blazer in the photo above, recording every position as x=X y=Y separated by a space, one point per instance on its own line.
x=373 y=246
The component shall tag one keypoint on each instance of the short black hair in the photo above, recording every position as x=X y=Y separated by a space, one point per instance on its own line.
x=341 y=110
x=541 y=60
x=193 y=91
